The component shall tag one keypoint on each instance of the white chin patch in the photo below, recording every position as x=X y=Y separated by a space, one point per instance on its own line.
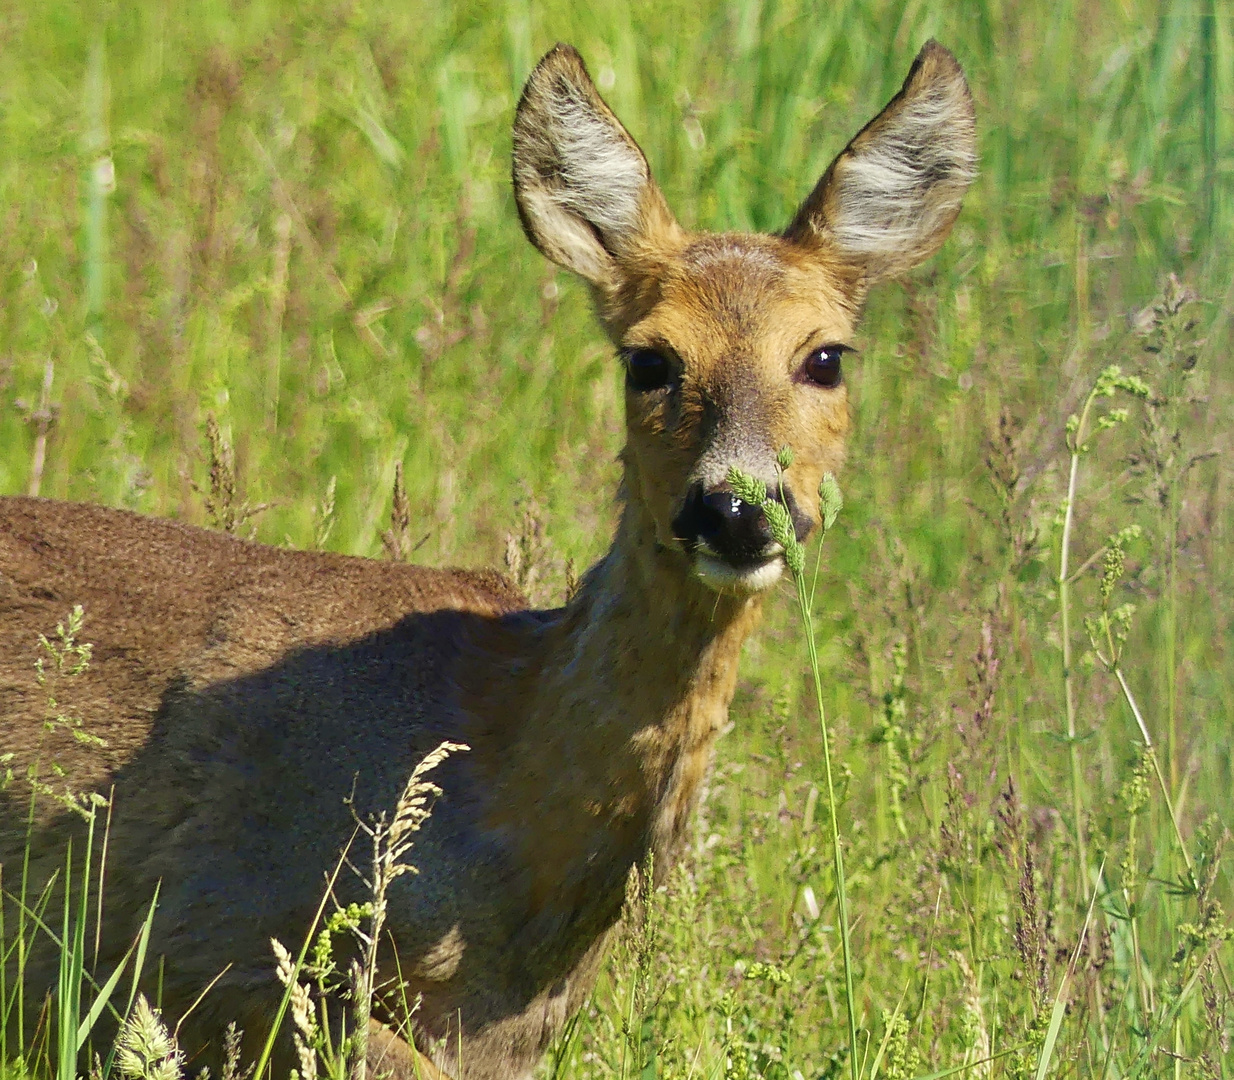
x=724 y=577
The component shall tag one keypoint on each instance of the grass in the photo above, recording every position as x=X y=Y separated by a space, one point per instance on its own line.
x=831 y=502
x=297 y=220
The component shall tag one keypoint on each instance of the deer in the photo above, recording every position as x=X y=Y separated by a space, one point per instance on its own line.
x=252 y=700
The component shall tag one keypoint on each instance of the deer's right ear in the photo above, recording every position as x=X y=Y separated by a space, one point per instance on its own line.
x=583 y=188
x=889 y=200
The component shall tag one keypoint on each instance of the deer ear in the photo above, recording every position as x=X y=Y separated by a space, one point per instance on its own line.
x=889 y=200
x=583 y=188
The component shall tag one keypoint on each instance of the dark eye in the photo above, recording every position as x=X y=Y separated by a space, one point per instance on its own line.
x=647 y=369
x=822 y=366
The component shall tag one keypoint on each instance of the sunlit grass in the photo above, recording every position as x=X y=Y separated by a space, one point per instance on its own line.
x=299 y=221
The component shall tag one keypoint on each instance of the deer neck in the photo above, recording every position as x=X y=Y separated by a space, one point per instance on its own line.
x=611 y=706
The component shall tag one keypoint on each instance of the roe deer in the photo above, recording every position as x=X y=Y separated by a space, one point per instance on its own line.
x=246 y=692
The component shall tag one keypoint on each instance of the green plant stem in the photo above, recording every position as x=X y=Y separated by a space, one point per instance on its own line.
x=4 y=996
x=1064 y=604
x=837 y=851
x=1151 y=750
x=1171 y=638
x=259 y=1070
x=1133 y=918
x=1208 y=111
x=20 y=980
x=1152 y=757
x=1060 y=999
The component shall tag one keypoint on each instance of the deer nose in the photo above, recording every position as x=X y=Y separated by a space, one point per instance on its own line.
x=722 y=523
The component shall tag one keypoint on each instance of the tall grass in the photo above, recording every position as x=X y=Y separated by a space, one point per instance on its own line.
x=298 y=221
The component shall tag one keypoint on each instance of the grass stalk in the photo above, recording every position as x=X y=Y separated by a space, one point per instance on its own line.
x=1080 y=431
x=74 y=1028
x=1117 y=671
x=267 y=1050
x=101 y=181
x=22 y=950
x=1171 y=641
x=392 y=839
x=68 y=989
x=1209 y=106
x=1076 y=443
x=4 y=988
x=837 y=849
x=830 y=502
x=1059 y=1010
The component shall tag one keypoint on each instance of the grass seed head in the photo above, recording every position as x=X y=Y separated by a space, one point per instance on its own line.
x=746 y=487
x=830 y=500
x=145 y=1050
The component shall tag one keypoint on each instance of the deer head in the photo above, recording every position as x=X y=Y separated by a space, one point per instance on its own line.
x=733 y=343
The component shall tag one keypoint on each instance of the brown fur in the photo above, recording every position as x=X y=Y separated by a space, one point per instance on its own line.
x=244 y=692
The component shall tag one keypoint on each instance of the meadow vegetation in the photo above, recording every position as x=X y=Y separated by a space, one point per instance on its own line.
x=260 y=269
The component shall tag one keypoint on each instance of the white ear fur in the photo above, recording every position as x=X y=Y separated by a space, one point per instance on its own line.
x=889 y=199
x=583 y=188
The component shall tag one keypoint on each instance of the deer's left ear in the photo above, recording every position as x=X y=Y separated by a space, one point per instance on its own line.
x=890 y=198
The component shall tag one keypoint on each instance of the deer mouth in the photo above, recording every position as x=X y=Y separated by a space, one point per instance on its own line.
x=728 y=541
x=744 y=576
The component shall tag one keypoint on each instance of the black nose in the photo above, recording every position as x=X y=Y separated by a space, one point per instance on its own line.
x=730 y=527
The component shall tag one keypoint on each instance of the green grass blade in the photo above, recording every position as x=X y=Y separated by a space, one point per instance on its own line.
x=101 y=999
x=69 y=979
x=1056 y=1023
x=268 y=1048
x=882 y=1046
x=956 y=1069
x=1143 y=1058
x=1060 y=999
x=143 y=943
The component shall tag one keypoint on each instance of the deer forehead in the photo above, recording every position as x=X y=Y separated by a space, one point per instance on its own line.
x=738 y=309
x=742 y=312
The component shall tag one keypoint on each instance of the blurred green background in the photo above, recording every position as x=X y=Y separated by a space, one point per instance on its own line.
x=297 y=218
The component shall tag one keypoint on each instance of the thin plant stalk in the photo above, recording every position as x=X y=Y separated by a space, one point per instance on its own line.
x=1059 y=1010
x=101 y=180
x=22 y=954
x=392 y=839
x=1142 y=992
x=1151 y=750
x=755 y=493
x=1208 y=112
x=69 y=1034
x=263 y=1059
x=1111 y=660
x=1076 y=442
x=4 y=996
x=98 y=915
x=1079 y=431
x=1171 y=639
x=837 y=850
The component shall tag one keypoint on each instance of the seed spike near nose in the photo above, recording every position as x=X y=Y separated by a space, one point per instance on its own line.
x=779 y=520
x=830 y=500
x=750 y=489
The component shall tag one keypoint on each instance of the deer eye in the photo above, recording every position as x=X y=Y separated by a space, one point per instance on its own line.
x=822 y=366
x=647 y=369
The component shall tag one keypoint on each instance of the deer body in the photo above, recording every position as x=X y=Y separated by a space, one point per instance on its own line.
x=303 y=677
x=251 y=697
